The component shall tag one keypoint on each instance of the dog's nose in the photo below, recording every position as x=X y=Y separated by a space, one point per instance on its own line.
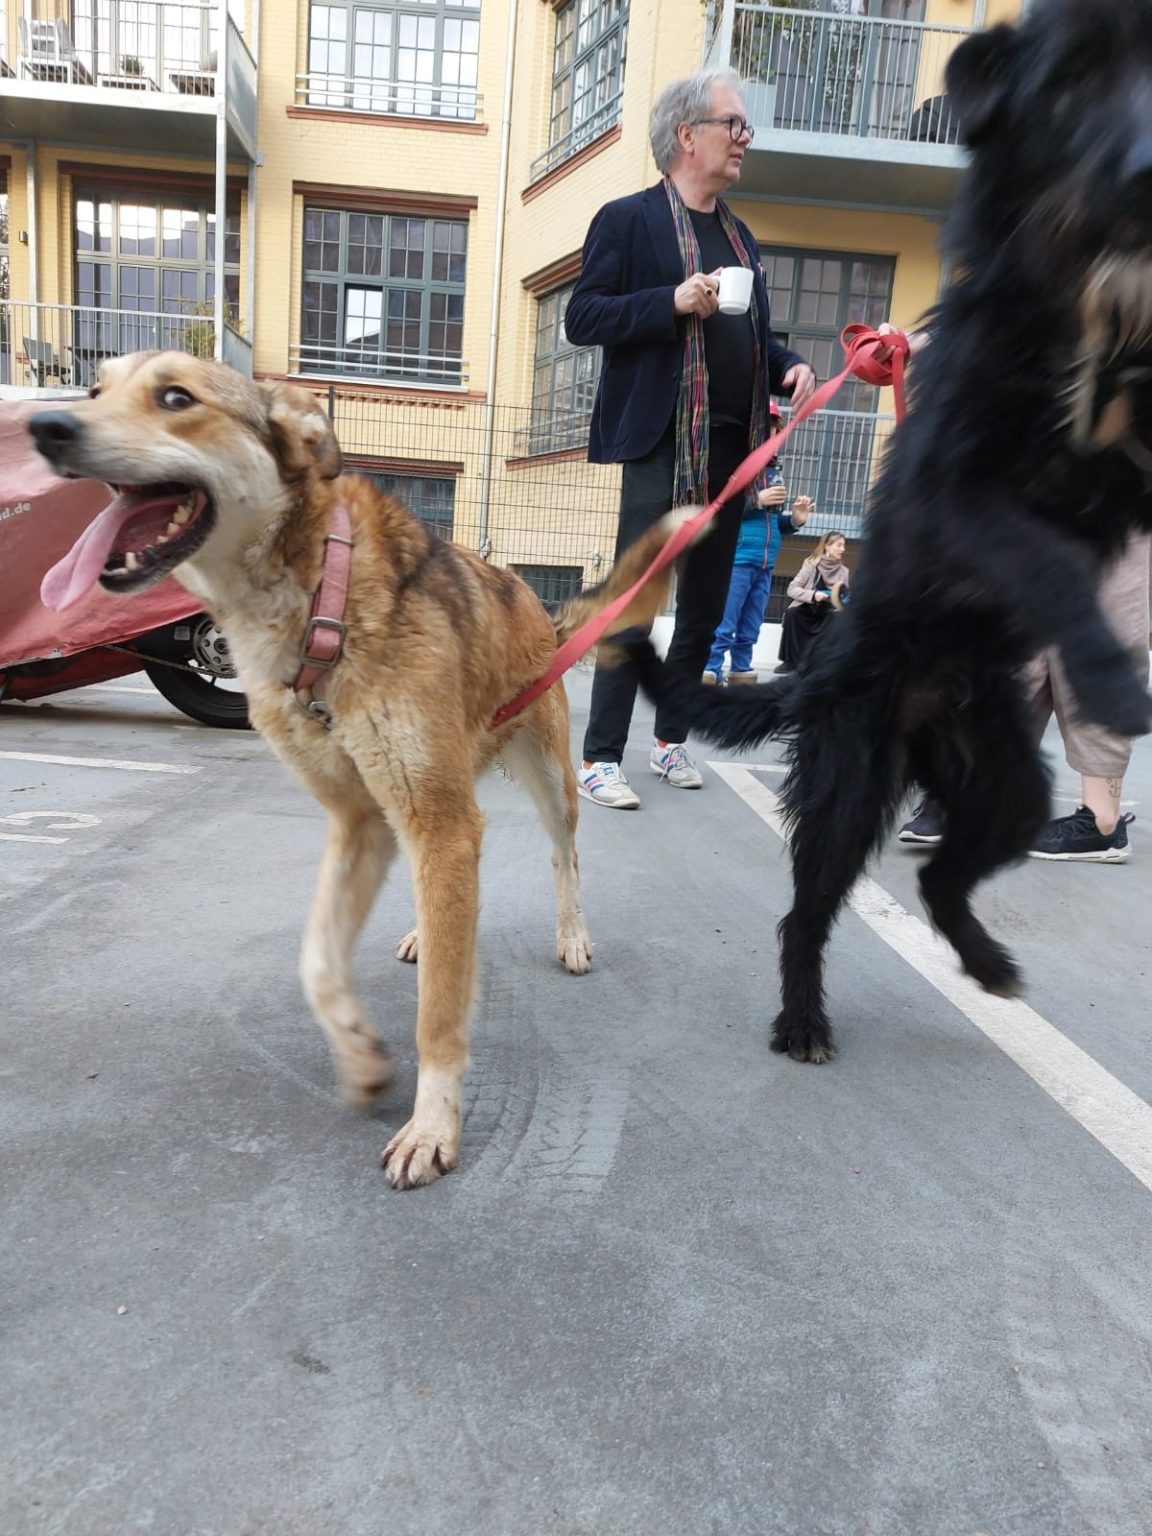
x=55 y=432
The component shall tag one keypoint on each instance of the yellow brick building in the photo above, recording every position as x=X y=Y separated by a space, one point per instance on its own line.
x=405 y=186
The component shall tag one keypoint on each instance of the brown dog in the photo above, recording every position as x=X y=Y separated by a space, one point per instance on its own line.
x=229 y=484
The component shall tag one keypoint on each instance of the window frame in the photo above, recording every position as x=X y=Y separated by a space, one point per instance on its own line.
x=547 y=434
x=325 y=355
x=590 y=45
x=390 y=94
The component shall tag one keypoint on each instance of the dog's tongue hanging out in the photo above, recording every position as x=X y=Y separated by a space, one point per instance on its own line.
x=131 y=523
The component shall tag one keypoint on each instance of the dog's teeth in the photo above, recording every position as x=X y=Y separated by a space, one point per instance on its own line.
x=182 y=514
x=130 y=562
x=164 y=537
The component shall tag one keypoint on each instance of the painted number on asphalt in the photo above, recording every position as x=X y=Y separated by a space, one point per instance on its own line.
x=51 y=821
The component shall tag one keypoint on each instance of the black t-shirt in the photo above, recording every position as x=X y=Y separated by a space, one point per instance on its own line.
x=728 y=349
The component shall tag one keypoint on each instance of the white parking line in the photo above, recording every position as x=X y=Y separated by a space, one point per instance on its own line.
x=1119 y=1119
x=97 y=762
x=25 y=837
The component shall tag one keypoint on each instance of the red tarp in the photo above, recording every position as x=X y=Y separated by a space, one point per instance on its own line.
x=41 y=516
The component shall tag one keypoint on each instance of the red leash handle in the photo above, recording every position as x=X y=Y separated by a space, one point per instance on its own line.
x=860 y=344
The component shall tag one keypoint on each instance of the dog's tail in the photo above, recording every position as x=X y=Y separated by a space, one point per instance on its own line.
x=730 y=717
x=635 y=560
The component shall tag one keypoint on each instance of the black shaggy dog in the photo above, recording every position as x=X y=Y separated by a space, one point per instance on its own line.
x=1025 y=461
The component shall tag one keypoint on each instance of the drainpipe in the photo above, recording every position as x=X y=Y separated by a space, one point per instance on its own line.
x=31 y=194
x=485 y=544
x=221 y=177
x=250 y=254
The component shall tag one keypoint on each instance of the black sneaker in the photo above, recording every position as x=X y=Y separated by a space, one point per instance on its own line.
x=1078 y=837
x=927 y=824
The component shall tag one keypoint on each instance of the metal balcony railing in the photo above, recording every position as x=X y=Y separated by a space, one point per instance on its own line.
x=821 y=71
x=368 y=362
x=389 y=98
x=169 y=46
x=591 y=127
x=61 y=346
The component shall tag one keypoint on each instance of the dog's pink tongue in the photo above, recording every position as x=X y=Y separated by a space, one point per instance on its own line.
x=79 y=570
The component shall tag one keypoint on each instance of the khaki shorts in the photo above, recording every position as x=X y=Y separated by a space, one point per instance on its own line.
x=1089 y=749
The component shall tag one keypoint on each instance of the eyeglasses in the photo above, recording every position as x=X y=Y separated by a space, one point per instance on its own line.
x=738 y=127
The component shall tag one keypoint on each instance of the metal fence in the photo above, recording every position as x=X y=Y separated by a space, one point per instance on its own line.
x=553 y=516
x=823 y=71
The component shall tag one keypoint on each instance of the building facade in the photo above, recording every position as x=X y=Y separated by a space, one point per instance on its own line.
x=403 y=188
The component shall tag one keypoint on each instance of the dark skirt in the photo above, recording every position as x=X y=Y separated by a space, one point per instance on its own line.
x=802 y=624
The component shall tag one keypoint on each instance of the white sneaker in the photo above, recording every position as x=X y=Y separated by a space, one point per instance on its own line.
x=605 y=784
x=672 y=763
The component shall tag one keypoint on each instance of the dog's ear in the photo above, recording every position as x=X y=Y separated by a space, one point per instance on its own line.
x=979 y=79
x=302 y=435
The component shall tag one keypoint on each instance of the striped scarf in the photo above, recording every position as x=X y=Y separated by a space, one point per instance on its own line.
x=690 y=485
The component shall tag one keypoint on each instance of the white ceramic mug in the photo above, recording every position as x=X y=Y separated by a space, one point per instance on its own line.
x=735 y=292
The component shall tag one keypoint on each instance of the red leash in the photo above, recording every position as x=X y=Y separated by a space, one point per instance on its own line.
x=860 y=344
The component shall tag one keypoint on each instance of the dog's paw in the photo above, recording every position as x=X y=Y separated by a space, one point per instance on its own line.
x=419 y=1155
x=812 y=1043
x=994 y=968
x=408 y=948
x=366 y=1075
x=574 y=951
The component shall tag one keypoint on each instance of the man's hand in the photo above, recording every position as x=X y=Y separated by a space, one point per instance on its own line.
x=697 y=295
x=798 y=383
x=820 y=597
x=772 y=496
x=802 y=509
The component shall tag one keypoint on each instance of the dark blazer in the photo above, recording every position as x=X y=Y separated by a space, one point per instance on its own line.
x=623 y=302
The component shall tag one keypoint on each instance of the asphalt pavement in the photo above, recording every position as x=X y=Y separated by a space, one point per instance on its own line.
x=677 y=1287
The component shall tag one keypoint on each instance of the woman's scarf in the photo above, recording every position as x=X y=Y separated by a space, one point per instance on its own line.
x=690 y=483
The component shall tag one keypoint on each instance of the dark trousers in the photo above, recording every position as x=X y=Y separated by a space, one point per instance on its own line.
x=702 y=579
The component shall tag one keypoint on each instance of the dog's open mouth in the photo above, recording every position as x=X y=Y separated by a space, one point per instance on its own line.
x=145 y=533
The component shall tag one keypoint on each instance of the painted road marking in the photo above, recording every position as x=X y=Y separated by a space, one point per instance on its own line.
x=1119 y=1119
x=97 y=762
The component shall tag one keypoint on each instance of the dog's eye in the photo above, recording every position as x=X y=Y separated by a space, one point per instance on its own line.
x=94 y=391
x=176 y=399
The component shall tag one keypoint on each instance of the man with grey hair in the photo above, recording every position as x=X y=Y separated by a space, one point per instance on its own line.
x=683 y=393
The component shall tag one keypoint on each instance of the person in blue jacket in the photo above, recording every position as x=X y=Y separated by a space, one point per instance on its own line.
x=683 y=391
x=764 y=524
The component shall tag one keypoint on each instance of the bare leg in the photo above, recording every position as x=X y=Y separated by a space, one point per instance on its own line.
x=1102 y=797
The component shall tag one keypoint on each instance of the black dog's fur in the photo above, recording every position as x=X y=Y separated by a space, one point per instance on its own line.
x=1024 y=463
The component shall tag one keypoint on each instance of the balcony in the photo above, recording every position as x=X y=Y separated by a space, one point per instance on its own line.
x=59 y=347
x=847 y=109
x=121 y=73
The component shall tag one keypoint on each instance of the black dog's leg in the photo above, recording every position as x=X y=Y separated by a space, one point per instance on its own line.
x=993 y=808
x=837 y=816
x=1044 y=579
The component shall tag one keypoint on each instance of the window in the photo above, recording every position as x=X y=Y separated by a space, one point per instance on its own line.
x=813 y=295
x=145 y=275
x=552 y=583
x=587 y=76
x=383 y=296
x=415 y=60
x=564 y=380
x=430 y=499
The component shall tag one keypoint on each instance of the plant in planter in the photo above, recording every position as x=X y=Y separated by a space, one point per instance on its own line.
x=131 y=66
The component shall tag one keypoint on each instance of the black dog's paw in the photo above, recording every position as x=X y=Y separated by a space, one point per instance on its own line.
x=803 y=1042
x=994 y=968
